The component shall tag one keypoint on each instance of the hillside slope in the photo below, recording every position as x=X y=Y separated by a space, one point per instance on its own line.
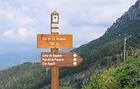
x=25 y=76
x=121 y=76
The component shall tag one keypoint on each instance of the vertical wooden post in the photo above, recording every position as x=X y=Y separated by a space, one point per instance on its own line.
x=54 y=70
x=54 y=74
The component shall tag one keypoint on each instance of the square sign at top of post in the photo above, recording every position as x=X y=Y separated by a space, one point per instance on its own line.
x=54 y=40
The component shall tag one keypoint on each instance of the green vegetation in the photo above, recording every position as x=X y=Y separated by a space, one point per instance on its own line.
x=66 y=87
x=25 y=76
x=122 y=76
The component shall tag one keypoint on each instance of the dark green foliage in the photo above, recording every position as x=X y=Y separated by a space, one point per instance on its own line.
x=123 y=76
x=25 y=76
x=66 y=87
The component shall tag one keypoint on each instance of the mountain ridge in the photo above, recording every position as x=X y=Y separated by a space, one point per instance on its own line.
x=133 y=13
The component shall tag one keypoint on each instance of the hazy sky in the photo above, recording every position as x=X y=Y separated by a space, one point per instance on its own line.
x=21 y=20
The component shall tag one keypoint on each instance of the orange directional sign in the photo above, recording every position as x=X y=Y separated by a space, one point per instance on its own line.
x=60 y=59
x=54 y=41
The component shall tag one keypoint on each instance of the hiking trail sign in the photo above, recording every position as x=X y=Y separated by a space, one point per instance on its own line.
x=54 y=41
x=54 y=59
x=60 y=59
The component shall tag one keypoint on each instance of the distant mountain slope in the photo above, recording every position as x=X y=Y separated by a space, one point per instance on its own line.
x=128 y=24
x=97 y=54
x=15 y=57
x=25 y=76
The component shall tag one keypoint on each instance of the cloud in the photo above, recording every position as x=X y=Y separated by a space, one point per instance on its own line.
x=15 y=15
x=20 y=34
x=95 y=11
x=17 y=27
x=92 y=32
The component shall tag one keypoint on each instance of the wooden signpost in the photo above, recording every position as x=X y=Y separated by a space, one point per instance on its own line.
x=60 y=59
x=54 y=41
x=54 y=59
